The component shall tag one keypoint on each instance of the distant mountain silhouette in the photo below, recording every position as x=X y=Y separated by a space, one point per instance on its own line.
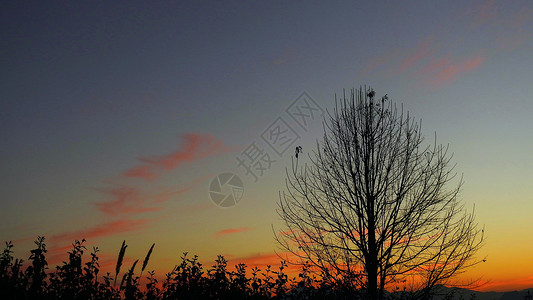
x=459 y=293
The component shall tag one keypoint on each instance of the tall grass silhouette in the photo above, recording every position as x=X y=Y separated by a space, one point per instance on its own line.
x=120 y=259
x=146 y=259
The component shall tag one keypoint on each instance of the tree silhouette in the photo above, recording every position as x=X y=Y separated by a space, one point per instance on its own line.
x=373 y=206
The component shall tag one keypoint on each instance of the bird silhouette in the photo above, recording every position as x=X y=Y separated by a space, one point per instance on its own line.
x=297 y=151
x=371 y=94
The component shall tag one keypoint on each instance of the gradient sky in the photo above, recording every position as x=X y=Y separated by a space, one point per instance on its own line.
x=116 y=116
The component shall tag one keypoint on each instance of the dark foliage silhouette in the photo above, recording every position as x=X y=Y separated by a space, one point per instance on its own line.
x=76 y=279
x=79 y=278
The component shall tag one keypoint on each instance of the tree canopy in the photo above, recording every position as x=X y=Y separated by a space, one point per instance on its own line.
x=374 y=205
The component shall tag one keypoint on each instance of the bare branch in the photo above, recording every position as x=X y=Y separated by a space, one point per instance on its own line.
x=374 y=200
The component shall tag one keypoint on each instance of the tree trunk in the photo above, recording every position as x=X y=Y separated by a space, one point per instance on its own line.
x=372 y=264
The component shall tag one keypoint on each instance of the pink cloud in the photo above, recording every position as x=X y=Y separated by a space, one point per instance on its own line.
x=232 y=231
x=144 y=172
x=194 y=147
x=449 y=73
x=107 y=262
x=57 y=254
x=506 y=30
x=101 y=230
x=514 y=31
x=126 y=200
x=434 y=66
x=378 y=62
x=164 y=196
x=521 y=18
x=484 y=13
x=287 y=232
x=422 y=52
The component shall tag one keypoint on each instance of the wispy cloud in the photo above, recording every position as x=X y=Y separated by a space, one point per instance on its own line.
x=437 y=62
x=144 y=172
x=484 y=13
x=422 y=52
x=128 y=199
x=433 y=66
x=426 y=65
x=166 y=195
x=443 y=71
x=194 y=147
x=515 y=31
x=232 y=231
x=106 y=261
x=57 y=254
x=124 y=200
x=101 y=230
x=379 y=62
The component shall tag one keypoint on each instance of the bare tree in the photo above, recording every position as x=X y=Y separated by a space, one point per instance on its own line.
x=373 y=206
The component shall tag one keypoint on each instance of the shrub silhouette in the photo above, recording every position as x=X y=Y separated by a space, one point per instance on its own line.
x=74 y=279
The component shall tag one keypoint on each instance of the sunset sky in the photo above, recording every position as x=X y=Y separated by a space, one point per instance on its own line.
x=115 y=117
